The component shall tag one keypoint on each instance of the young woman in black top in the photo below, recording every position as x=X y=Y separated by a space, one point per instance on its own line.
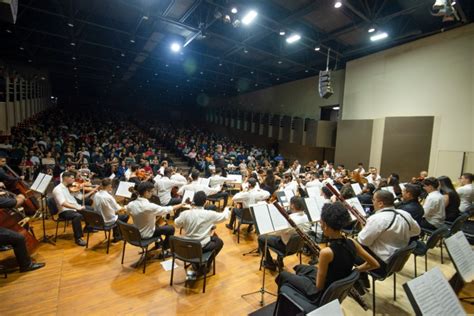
x=335 y=261
x=451 y=198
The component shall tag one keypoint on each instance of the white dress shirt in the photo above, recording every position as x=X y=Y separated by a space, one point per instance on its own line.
x=195 y=186
x=178 y=177
x=217 y=180
x=293 y=186
x=105 y=204
x=251 y=197
x=144 y=215
x=466 y=194
x=163 y=187
x=198 y=223
x=61 y=194
x=384 y=242
x=435 y=212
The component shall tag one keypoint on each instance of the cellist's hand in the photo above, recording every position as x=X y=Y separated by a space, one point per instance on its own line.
x=2 y=185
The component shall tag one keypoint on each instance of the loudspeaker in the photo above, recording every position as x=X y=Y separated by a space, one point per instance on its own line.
x=8 y=10
x=325 y=88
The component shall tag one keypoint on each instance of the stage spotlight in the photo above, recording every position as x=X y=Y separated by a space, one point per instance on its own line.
x=379 y=36
x=293 y=38
x=249 y=17
x=227 y=19
x=337 y=4
x=175 y=47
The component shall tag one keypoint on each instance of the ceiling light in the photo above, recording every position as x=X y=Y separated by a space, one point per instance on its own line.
x=336 y=108
x=156 y=74
x=22 y=48
x=30 y=61
x=72 y=44
x=118 y=66
x=202 y=73
x=175 y=47
x=378 y=36
x=453 y=2
x=8 y=31
x=278 y=78
x=317 y=48
x=73 y=57
x=337 y=4
x=306 y=70
x=234 y=10
x=227 y=19
x=280 y=62
x=249 y=17
x=231 y=79
x=70 y=23
x=122 y=54
x=166 y=65
x=145 y=17
x=371 y=29
x=246 y=50
x=75 y=68
x=251 y=72
x=132 y=40
x=220 y=64
x=282 y=33
x=293 y=38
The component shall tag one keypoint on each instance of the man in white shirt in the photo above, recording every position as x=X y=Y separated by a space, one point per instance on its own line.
x=105 y=204
x=466 y=192
x=434 y=207
x=164 y=185
x=195 y=186
x=199 y=224
x=388 y=229
x=144 y=214
x=280 y=241
x=68 y=206
x=247 y=198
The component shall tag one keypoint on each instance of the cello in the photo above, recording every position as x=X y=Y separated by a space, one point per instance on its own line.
x=31 y=205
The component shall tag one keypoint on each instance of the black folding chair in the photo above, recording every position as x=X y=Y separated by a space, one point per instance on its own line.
x=95 y=221
x=422 y=247
x=245 y=218
x=53 y=211
x=294 y=246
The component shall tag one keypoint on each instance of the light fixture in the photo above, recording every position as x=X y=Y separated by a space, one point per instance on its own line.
x=245 y=50
x=122 y=54
x=335 y=108
x=338 y=4
x=220 y=64
x=306 y=70
x=156 y=74
x=8 y=31
x=227 y=18
x=75 y=68
x=234 y=10
x=175 y=47
x=231 y=79
x=30 y=61
x=166 y=65
x=249 y=17
x=371 y=29
x=251 y=72
x=132 y=40
x=293 y=38
x=73 y=57
x=70 y=23
x=118 y=66
x=453 y=2
x=278 y=78
x=282 y=33
x=379 y=36
x=22 y=48
x=280 y=62
x=145 y=17
x=72 y=44
x=317 y=48
x=236 y=23
x=202 y=73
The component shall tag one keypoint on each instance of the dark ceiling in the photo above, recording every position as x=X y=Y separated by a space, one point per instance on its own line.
x=97 y=56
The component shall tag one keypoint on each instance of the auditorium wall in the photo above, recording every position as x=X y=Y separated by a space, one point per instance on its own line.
x=433 y=77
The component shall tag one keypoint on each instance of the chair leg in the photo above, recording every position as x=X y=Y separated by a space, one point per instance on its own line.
x=441 y=245
x=172 y=272
x=105 y=234
x=56 y=235
x=426 y=261
x=414 y=257
x=87 y=242
x=204 y=284
x=238 y=233
x=373 y=296
x=394 y=286
x=108 y=242
x=65 y=225
x=214 y=266
x=301 y=255
x=123 y=250
x=144 y=260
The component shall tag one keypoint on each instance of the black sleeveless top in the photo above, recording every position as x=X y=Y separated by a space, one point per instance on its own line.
x=344 y=255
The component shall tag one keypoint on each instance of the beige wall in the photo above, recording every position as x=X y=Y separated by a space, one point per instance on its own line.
x=298 y=98
x=429 y=77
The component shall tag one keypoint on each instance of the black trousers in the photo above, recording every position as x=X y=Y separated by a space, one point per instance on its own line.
x=123 y=218
x=383 y=266
x=219 y=195
x=167 y=231
x=304 y=281
x=17 y=241
x=272 y=241
x=75 y=219
x=235 y=212
x=215 y=244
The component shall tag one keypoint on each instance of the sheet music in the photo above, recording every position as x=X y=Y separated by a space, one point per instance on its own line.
x=390 y=189
x=356 y=187
x=313 y=191
x=289 y=194
x=37 y=181
x=112 y=176
x=462 y=255
x=235 y=178
x=128 y=173
x=314 y=211
x=332 y=308
x=204 y=181
x=402 y=186
x=434 y=295
x=188 y=194
x=262 y=218
x=279 y=222
x=355 y=203
x=43 y=186
x=123 y=189
x=282 y=198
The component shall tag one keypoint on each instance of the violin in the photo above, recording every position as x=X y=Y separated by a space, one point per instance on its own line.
x=143 y=175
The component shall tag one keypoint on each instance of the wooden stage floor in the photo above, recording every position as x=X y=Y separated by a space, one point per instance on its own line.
x=88 y=281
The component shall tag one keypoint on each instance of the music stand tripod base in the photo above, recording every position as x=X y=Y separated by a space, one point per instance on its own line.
x=46 y=239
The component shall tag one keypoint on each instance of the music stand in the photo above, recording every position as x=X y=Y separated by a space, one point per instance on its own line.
x=40 y=185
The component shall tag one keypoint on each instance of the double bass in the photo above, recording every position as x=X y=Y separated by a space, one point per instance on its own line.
x=31 y=205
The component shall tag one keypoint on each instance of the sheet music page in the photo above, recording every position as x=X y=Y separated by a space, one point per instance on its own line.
x=262 y=218
x=43 y=186
x=390 y=189
x=313 y=192
x=279 y=222
x=235 y=178
x=37 y=182
x=289 y=194
x=204 y=181
x=188 y=194
x=128 y=173
x=434 y=295
x=123 y=189
x=313 y=209
x=355 y=203
x=356 y=187
x=332 y=308
x=112 y=176
x=402 y=186
x=462 y=255
x=282 y=198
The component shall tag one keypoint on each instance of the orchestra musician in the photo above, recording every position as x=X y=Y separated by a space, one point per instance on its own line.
x=7 y=179
x=16 y=240
x=466 y=191
x=335 y=261
x=433 y=206
x=164 y=185
x=410 y=203
x=105 y=204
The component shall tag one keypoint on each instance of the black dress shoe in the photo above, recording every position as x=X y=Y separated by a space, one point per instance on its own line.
x=80 y=242
x=229 y=226
x=33 y=266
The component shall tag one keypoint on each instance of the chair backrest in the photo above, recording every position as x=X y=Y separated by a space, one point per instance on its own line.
x=129 y=232
x=92 y=218
x=399 y=258
x=294 y=244
x=436 y=236
x=339 y=289
x=53 y=208
x=186 y=249
x=457 y=224
x=246 y=215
